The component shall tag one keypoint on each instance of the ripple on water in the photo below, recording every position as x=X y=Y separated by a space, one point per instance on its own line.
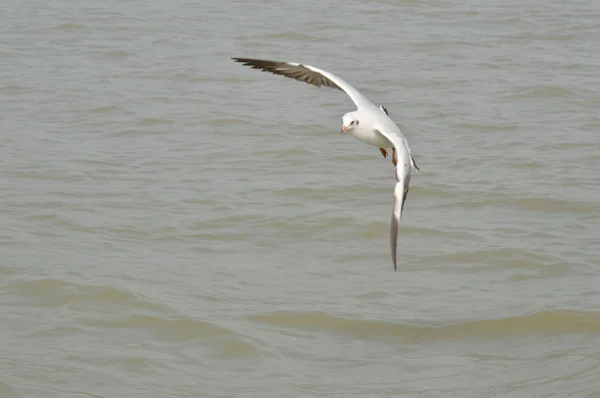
x=5 y=271
x=512 y=258
x=56 y=293
x=105 y=109
x=224 y=341
x=543 y=204
x=155 y=121
x=536 y=92
x=7 y=391
x=294 y=36
x=546 y=323
x=115 y=54
x=69 y=26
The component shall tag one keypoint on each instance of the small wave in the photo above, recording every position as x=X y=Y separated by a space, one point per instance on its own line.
x=226 y=341
x=68 y=26
x=529 y=164
x=177 y=329
x=556 y=205
x=542 y=322
x=228 y=122
x=439 y=233
x=540 y=92
x=5 y=271
x=11 y=88
x=492 y=128
x=290 y=36
x=115 y=54
x=7 y=391
x=104 y=109
x=137 y=363
x=90 y=161
x=372 y=295
x=313 y=193
x=154 y=121
x=442 y=191
x=286 y=153
x=56 y=292
x=544 y=204
x=514 y=258
x=128 y=132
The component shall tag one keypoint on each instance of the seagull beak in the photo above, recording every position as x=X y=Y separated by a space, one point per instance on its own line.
x=344 y=128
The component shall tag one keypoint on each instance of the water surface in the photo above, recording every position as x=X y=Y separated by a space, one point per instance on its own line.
x=178 y=225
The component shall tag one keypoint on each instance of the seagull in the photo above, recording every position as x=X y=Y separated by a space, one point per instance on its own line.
x=368 y=123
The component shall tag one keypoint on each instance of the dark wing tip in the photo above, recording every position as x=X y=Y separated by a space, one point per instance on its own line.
x=263 y=64
x=244 y=60
x=292 y=70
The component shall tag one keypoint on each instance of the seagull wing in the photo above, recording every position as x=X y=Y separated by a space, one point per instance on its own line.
x=402 y=174
x=306 y=73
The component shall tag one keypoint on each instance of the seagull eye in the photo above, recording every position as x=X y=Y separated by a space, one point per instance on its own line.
x=357 y=122
x=352 y=122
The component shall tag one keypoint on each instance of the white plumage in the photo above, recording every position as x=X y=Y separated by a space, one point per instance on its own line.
x=368 y=123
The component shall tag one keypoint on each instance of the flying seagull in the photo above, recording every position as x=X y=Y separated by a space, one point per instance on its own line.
x=369 y=123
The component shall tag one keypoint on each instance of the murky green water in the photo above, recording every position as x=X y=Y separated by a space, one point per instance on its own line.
x=177 y=225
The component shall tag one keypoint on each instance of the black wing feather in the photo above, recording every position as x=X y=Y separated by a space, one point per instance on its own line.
x=295 y=71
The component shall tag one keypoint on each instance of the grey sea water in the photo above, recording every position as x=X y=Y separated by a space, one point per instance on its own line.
x=178 y=225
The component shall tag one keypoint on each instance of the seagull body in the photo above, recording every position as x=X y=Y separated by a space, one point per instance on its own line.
x=368 y=123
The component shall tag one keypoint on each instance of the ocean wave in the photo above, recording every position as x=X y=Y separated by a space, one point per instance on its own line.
x=538 y=323
x=57 y=292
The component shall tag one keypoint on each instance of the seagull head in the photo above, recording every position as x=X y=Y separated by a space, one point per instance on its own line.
x=349 y=121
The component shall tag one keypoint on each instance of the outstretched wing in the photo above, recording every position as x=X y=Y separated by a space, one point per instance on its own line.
x=402 y=174
x=400 y=193
x=305 y=73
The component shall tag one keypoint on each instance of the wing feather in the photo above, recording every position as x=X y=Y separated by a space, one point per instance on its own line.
x=400 y=194
x=305 y=73
x=402 y=175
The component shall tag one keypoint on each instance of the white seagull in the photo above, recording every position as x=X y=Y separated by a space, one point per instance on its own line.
x=369 y=124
